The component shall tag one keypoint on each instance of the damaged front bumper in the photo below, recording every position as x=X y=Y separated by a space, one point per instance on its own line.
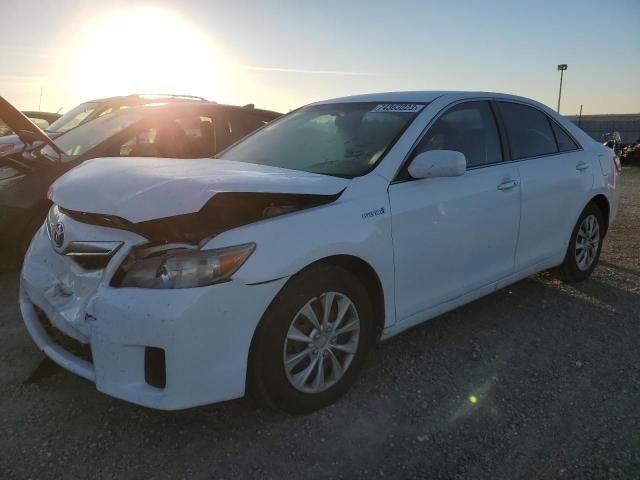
x=164 y=349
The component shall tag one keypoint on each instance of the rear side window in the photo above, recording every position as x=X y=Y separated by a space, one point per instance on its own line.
x=226 y=131
x=201 y=134
x=469 y=128
x=244 y=122
x=185 y=136
x=528 y=129
x=565 y=143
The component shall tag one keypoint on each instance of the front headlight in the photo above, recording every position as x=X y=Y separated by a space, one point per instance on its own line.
x=185 y=269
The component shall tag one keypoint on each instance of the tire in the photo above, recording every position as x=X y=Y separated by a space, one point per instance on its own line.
x=13 y=250
x=271 y=381
x=572 y=269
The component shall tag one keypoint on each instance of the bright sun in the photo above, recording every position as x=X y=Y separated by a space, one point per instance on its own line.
x=145 y=50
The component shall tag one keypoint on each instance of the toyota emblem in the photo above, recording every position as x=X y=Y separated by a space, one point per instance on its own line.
x=58 y=235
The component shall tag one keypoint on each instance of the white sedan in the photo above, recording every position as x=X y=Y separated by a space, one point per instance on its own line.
x=276 y=266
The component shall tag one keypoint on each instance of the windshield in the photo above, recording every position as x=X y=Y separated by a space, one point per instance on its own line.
x=73 y=118
x=342 y=139
x=89 y=135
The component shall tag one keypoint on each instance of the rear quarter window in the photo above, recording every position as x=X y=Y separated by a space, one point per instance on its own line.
x=245 y=122
x=565 y=143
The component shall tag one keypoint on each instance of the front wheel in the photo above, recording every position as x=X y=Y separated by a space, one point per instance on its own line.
x=312 y=341
x=584 y=247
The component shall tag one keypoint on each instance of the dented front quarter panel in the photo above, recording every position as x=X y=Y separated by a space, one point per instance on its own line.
x=217 y=322
x=357 y=224
x=62 y=288
x=214 y=323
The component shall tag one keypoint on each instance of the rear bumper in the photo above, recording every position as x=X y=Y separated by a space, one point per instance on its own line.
x=205 y=333
x=614 y=198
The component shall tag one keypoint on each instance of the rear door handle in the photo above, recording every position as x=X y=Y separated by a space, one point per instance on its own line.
x=508 y=184
x=582 y=166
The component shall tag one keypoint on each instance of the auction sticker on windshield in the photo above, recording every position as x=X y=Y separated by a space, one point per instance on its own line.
x=397 y=108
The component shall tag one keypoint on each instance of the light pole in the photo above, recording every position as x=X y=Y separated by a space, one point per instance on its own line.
x=562 y=68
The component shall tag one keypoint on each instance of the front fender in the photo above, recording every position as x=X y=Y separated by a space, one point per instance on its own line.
x=357 y=224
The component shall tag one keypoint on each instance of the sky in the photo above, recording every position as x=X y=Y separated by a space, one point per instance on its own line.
x=280 y=55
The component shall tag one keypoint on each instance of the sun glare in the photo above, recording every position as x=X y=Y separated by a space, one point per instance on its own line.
x=145 y=50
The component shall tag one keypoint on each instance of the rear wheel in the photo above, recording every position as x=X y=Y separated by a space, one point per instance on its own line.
x=585 y=246
x=312 y=341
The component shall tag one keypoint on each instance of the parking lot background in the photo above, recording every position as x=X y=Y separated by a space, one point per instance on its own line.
x=538 y=380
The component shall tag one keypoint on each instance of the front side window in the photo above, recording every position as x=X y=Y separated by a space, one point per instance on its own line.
x=341 y=139
x=142 y=144
x=469 y=128
x=528 y=129
x=183 y=136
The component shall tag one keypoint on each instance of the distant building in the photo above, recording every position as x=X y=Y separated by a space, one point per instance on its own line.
x=597 y=126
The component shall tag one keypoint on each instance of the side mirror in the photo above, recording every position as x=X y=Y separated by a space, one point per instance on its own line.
x=438 y=163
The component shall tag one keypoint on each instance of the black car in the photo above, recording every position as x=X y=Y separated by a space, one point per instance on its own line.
x=55 y=125
x=163 y=129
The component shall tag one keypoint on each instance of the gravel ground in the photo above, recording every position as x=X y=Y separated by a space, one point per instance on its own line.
x=539 y=380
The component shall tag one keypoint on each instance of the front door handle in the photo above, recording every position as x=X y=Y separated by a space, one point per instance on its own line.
x=581 y=166
x=508 y=184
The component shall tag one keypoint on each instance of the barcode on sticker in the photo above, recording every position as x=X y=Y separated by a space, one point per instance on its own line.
x=397 y=108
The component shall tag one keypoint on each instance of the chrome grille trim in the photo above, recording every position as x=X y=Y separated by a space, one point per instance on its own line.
x=91 y=249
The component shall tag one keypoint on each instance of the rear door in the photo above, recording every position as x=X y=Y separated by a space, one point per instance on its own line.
x=457 y=234
x=556 y=179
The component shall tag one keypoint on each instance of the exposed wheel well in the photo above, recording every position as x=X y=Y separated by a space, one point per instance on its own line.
x=603 y=204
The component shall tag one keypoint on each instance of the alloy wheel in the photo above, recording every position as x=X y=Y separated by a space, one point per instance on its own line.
x=587 y=242
x=321 y=342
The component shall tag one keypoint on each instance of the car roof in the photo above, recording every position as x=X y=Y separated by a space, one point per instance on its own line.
x=428 y=96
x=425 y=96
x=46 y=115
x=142 y=98
x=166 y=108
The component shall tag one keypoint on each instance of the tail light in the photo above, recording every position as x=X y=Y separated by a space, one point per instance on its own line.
x=616 y=162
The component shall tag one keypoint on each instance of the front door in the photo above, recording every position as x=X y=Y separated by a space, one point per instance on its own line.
x=456 y=234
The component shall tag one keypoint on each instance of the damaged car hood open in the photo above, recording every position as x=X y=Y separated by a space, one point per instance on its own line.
x=143 y=189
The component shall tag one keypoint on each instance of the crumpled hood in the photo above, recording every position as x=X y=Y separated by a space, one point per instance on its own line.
x=140 y=189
